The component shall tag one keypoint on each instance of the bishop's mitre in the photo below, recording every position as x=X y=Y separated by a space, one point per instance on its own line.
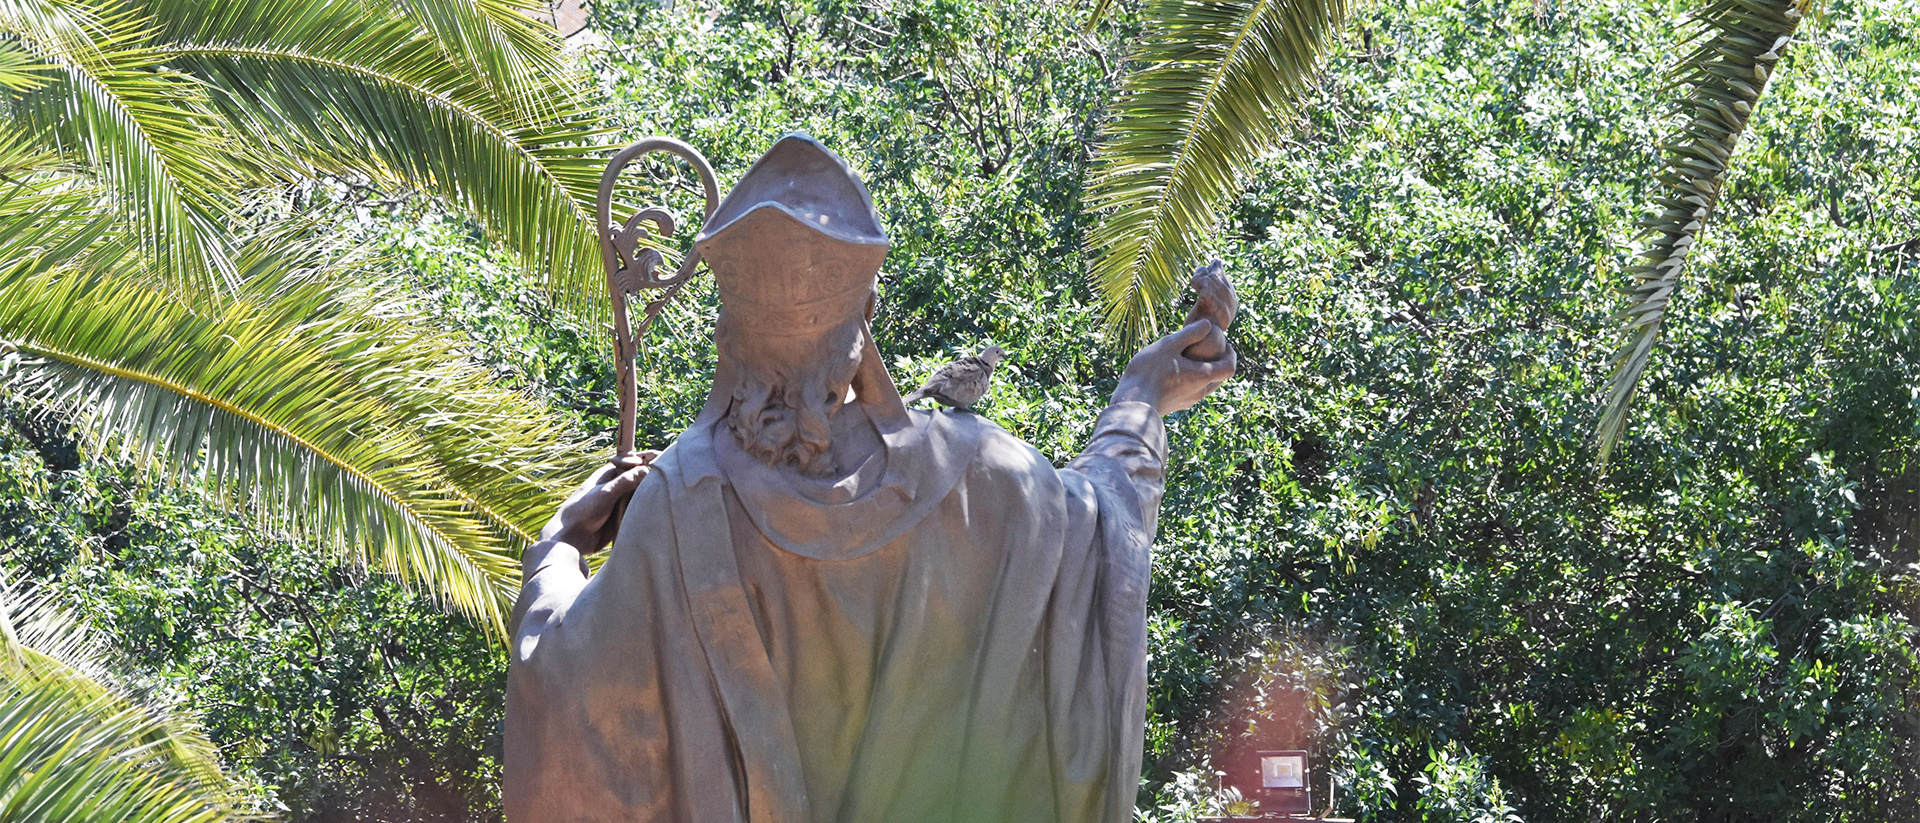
x=796 y=246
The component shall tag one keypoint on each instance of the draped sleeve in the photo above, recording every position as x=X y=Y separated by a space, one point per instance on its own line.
x=1126 y=458
x=1114 y=488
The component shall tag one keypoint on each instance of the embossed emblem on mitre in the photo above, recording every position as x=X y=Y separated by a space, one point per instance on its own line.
x=796 y=246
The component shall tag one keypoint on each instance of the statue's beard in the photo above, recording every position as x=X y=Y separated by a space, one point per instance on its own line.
x=784 y=401
x=784 y=421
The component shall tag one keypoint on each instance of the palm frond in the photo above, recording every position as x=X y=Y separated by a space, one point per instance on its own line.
x=140 y=124
x=325 y=409
x=176 y=104
x=1101 y=8
x=500 y=40
x=66 y=759
x=1220 y=82
x=48 y=214
x=346 y=90
x=319 y=410
x=510 y=460
x=43 y=643
x=1735 y=45
x=498 y=45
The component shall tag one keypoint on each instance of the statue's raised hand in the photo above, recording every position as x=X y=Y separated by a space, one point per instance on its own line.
x=1176 y=371
x=588 y=519
x=1162 y=375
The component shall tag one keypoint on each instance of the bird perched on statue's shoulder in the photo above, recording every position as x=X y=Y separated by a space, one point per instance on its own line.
x=963 y=382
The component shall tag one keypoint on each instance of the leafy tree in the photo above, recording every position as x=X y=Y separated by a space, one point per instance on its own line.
x=1395 y=510
x=332 y=695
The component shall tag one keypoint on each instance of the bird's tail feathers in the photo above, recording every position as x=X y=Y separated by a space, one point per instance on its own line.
x=914 y=397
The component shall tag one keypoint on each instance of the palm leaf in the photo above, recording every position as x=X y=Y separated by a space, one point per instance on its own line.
x=178 y=104
x=66 y=759
x=505 y=456
x=1221 y=80
x=321 y=408
x=327 y=411
x=1735 y=44
x=18 y=70
x=340 y=87
x=45 y=644
x=47 y=214
x=142 y=126
x=498 y=47
x=501 y=41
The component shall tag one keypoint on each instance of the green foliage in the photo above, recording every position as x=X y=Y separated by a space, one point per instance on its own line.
x=315 y=404
x=332 y=695
x=1420 y=276
x=78 y=744
x=65 y=761
x=1456 y=786
x=1403 y=468
x=176 y=107
x=145 y=293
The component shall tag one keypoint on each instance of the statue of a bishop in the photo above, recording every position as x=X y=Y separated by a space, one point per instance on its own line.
x=823 y=607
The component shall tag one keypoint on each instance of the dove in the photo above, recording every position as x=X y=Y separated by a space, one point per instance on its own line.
x=962 y=383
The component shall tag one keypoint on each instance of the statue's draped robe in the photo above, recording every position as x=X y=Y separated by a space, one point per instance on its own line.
x=959 y=636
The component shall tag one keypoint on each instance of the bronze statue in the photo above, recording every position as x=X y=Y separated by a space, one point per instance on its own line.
x=823 y=607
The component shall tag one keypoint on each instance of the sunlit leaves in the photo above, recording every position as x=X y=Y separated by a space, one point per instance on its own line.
x=318 y=406
x=137 y=295
x=18 y=70
x=367 y=92
x=141 y=126
x=75 y=741
x=178 y=106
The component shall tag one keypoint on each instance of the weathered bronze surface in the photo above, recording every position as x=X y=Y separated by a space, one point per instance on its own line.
x=823 y=607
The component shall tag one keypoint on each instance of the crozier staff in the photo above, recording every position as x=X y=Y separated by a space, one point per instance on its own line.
x=823 y=607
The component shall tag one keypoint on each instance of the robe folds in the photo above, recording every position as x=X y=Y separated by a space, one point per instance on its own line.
x=958 y=636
